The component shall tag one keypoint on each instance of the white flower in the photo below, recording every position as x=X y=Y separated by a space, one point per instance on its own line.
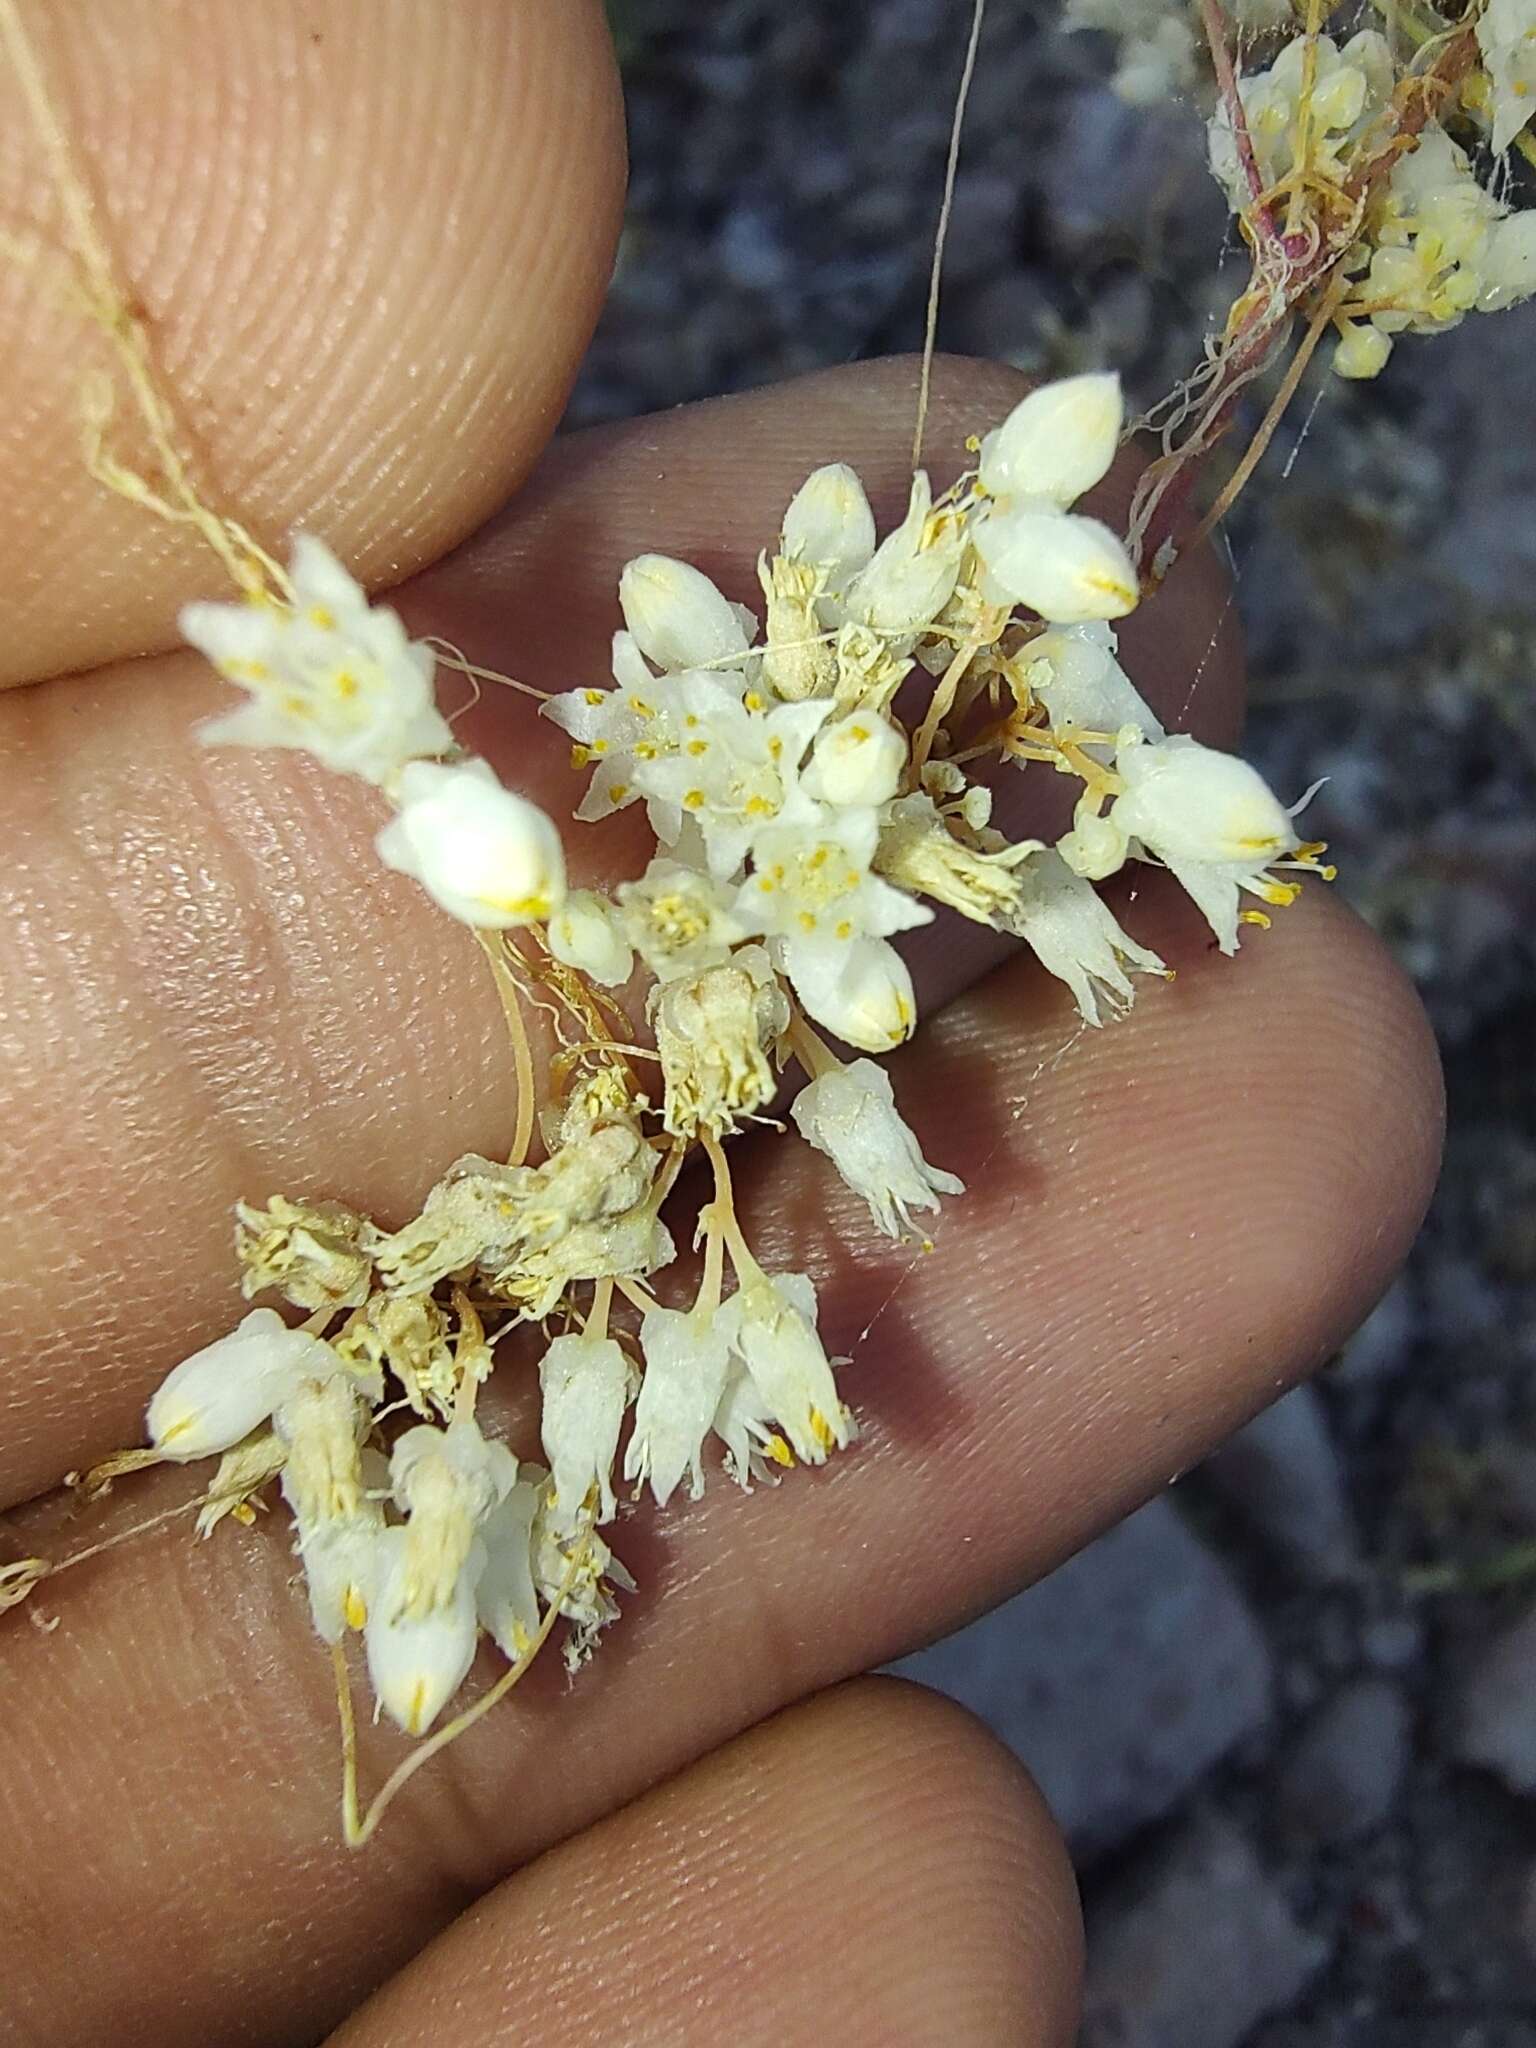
x=322 y=1421
x=505 y=1596
x=908 y=580
x=488 y=857
x=926 y=851
x=771 y=1325
x=677 y=617
x=620 y=730
x=812 y=894
x=1211 y=820
x=447 y=1481
x=1074 y=673
x=864 y=996
x=1056 y=443
x=1059 y=564
x=850 y=1114
x=678 y=920
x=829 y=525
x=858 y=760
x=1506 y=35
x=342 y=1560
x=585 y=1382
x=586 y=933
x=744 y=1424
x=221 y=1393
x=418 y=1656
x=686 y=1359
x=712 y=1034
x=1074 y=934
x=329 y=673
x=734 y=771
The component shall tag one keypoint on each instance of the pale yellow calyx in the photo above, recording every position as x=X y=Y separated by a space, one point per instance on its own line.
x=800 y=660
x=712 y=1031
x=311 y=1253
x=241 y=1475
x=921 y=854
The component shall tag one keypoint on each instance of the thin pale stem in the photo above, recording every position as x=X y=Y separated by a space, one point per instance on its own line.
x=746 y=1265
x=517 y=1031
x=938 y=709
x=358 y=1829
x=941 y=236
x=247 y=564
x=1253 y=454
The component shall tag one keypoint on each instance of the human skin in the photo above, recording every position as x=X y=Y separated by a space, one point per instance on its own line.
x=210 y=989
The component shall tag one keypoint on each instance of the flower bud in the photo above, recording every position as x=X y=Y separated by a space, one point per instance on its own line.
x=585 y=933
x=585 y=1382
x=221 y=1393
x=488 y=857
x=1362 y=351
x=1057 y=443
x=869 y=1002
x=857 y=760
x=1067 y=569
x=418 y=1657
x=676 y=615
x=829 y=524
x=1187 y=802
x=908 y=580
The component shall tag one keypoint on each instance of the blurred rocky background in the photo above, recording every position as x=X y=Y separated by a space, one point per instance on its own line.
x=1288 y=1713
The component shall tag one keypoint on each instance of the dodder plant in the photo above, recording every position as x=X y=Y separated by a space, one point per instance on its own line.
x=814 y=778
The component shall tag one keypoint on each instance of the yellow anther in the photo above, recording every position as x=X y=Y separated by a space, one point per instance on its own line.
x=355 y=1608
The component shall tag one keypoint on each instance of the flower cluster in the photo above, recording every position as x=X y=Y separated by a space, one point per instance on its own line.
x=816 y=785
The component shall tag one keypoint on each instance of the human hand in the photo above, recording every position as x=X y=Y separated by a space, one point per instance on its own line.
x=368 y=282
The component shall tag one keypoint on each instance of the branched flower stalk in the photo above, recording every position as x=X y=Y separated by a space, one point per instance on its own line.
x=813 y=777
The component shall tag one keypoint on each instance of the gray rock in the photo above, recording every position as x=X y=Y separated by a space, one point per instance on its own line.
x=1342 y=1778
x=1193 y=1950
x=1120 y=1680
x=1392 y=1642
x=1283 y=1475
x=1496 y=1714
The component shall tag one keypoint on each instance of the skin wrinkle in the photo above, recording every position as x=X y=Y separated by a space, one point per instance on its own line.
x=434 y=362
x=778 y=1601
x=870 y=1809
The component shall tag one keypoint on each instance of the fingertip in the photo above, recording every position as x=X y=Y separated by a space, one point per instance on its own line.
x=367 y=247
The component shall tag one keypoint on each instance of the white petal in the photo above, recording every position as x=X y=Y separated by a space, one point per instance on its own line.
x=862 y=992
x=221 y=1393
x=487 y=856
x=1056 y=443
x=585 y=1384
x=676 y=615
x=417 y=1662
x=686 y=1360
x=1063 y=567
x=829 y=524
x=505 y=1598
